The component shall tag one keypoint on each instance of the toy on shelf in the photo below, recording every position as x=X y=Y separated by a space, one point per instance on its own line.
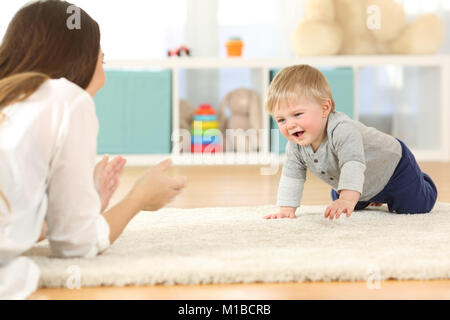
x=367 y=27
x=180 y=51
x=234 y=47
x=186 y=116
x=206 y=136
x=187 y=111
x=241 y=109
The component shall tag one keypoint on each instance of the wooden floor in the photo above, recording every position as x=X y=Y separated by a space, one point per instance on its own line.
x=245 y=186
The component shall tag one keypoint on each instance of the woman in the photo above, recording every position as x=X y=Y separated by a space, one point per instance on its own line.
x=49 y=74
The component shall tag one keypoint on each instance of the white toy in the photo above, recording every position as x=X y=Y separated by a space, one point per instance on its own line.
x=364 y=27
x=187 y=112
x=186 y=115
x=241 y=109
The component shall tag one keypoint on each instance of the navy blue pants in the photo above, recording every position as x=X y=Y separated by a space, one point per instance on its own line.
x=409 y=190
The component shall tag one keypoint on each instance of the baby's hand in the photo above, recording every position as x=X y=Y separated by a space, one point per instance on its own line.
x=285 y=212
x=338 y=207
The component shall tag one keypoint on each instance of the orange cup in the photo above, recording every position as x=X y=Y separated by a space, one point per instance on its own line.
x=234 y=47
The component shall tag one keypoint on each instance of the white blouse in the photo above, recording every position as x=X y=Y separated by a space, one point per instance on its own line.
x=48 y=145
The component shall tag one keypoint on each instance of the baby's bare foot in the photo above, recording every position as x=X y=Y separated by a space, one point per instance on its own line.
x=106 y=178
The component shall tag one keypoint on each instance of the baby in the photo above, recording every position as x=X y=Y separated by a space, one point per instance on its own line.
x=362 y=165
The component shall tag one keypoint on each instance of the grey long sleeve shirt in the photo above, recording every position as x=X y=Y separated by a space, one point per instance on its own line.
x=351 y=157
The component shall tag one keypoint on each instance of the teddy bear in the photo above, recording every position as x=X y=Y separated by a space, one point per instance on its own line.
x=186 y=115
x=187 y=112
x=350 y=27
x=241 y=109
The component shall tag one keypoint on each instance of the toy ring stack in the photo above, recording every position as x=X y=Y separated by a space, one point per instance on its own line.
x=206 y=136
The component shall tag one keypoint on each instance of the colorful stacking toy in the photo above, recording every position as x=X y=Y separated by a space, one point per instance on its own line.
x=206 y=136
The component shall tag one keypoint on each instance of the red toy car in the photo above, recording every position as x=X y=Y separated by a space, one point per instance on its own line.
x=180 y=51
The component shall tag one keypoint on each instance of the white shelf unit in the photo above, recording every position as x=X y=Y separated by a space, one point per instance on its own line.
x=442 y=62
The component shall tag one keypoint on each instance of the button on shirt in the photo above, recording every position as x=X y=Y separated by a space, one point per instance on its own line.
x=351 y=157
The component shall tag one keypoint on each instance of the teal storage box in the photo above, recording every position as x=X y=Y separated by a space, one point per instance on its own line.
x=341 y=83
x=134 y=111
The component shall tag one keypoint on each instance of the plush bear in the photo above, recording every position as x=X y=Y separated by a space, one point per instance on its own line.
x=186 y=115
x=241 y=109
x=318 y=33
x=364 y=27
x=423 y=36
x=187 y=112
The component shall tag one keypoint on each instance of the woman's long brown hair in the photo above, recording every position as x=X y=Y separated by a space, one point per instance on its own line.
x=39 y=40
x=39 y=45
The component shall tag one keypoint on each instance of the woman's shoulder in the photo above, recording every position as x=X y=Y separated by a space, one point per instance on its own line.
x=61 y=94
x=63 y=89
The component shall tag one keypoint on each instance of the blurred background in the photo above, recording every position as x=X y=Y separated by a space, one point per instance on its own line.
x=405 y=101
x=142 y=29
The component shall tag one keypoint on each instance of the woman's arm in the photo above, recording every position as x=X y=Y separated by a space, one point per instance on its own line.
x=75 y=225
x=151 y=192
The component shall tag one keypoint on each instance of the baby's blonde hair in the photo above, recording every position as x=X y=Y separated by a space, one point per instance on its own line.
x=298 y=82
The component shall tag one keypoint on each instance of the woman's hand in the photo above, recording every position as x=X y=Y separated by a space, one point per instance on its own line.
x=106 y=178
x=153 y=190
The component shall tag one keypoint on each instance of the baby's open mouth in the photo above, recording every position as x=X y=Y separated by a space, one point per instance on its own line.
x=298 y=134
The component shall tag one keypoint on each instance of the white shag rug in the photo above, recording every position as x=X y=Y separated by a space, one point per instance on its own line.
x=235 y=244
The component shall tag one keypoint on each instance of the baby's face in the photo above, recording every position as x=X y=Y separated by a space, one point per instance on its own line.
x=303 y=123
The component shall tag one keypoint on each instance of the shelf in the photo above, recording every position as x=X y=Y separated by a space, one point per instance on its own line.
x=357 y=62
x=230 y=158
x=331 y=61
